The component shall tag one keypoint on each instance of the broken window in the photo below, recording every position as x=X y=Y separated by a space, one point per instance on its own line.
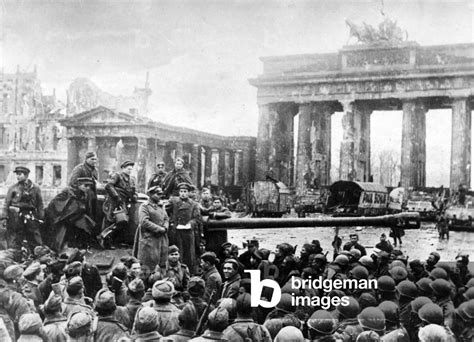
x=3 y=176
x=39 y=174
x=57 y=175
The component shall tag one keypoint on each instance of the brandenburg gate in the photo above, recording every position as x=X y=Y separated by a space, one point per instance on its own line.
x=357 y=80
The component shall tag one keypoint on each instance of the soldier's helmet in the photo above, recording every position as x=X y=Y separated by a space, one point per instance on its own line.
x=360 y=272
x=431 y=313
x=438 y=273
x=441 y=287
x=385 y=284
x=391 y=311
x=408 y=289
x=341 y=260
x=423 y=285
x=367 y=261
x=322 y=322
x=398 y=273
x=466 y=310
x=349 y=311
x=372 y=318
x=418 y=303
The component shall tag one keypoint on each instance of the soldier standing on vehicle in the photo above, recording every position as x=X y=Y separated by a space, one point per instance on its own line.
x=24 y=211
x=157 y=178
x=121 y=194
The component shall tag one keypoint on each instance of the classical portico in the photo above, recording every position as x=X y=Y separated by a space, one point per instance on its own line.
x=213 y=160
x=358 y=80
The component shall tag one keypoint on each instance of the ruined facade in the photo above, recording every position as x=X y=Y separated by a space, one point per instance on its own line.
x=30 y=133
x=356 y=81
x=214 y=160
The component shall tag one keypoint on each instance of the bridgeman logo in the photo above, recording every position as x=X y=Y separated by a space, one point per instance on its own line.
x=325 y=285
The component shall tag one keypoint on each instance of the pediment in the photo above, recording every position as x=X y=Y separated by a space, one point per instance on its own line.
x=99 y=115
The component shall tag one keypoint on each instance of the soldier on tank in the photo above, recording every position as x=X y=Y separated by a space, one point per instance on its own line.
x=23 y=209
x=157 y=178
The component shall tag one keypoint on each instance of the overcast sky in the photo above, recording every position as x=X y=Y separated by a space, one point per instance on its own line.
x=200 y=54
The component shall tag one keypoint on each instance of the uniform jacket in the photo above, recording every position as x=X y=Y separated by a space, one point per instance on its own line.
x=132 y=306
x=25 y=195
x=172 y=179
x=156 y=179
x=120 y=187
x=238 y=331
x=185 y=212
x=109 y=330
x=168 y=322
x=213 y=281
x=349 y=329
x=148 y=337
x=182 y=335
x=210 y=336
x=152 y=236
x=75 y=305
x=219 y=214
x=55 y=329
x=230 y=288
x=178 y=274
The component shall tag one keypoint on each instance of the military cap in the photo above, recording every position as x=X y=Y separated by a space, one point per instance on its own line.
x=441 y=287
x=160 y=163
x=188 y=314
x=210 y=257
x=466 y=309
x=372 y=318
x=323 y=322
x=464 y=258
x=438 y=273
x=424 y=285
x=173 y=249
x=398 y=263
x=390 y=311
x=360 y=272
x=408 y=289
x=398 y=273
x=84 y=180
x=33 y=270
x=367 y=300
x=320 y=256
x=120 y=271
x=436 y=255
x=126 y=163
x=146 y=319
x=385 y=284
x=226 y=245
x=431 y=313
x=73 y=269
x=13 y=272
x=368 y=336
x=218 y=317
x=184 y=185
x=162 y=289
x=74 y=285
x=418 y=303
x=78 y=324
x=243 y=302
x=155 y=190
x=53 y=304
x=196 y=286
x=105 y=300
x=136 y=285
x=346 y=253
x=349 y=311
x=91 y=154
x=30 y=323
x=179 y=159
x=289 y=333
x=231 y=306
x=415 y=263
x=433 y=332
x=233 y=262
x=353 y=235
x=217 y=198
x=366 y=261
x=341 y=260
x=21 y=169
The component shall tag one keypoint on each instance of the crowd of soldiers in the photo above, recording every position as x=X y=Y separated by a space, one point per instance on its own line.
x=174 y=288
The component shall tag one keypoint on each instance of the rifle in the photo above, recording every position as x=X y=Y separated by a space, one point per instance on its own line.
x=205 y=314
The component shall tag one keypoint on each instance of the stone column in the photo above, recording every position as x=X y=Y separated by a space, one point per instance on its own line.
x=141 y=165
x=313 y=160
x=91 y=144
x=160 y=153
x=195 y=164
x=222 y=168
x=72 y=156
x=179 y=150
x=229 y=168
x=238 y=167
x=245 y=172
x=460 y=143
x=215 y=166
x=355 y=145
x=275 y=141
x=150 y=167
x=208 y=166
x=413 y=162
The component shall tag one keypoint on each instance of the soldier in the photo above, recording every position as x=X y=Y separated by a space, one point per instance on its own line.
x=196 y=293
x=74 y=302
x=121 y=194
x=24 y=211
x=89 y=273
x=175 y=271
x=211 y=276
x=188 y=321
x=321 y=326
x=157 y=178
x=216 y=324
x=394 y=331
x=108 y=328
x=55 y=322
x=244 y=327
x=88 y=169
x=79 y=326
x=67 y=216
x=146 y=325
x=31 y=328
x=186 y=225
x=34 y=276
x=136 y=291
x=354 y=243
x=152 y=232
x=175 y=177
x=206 y=201
x=162 y=292
x=348 y=327
x=230 y=288
x=373 y=319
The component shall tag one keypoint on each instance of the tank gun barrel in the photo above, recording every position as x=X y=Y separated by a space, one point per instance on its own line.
x=268 y=223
